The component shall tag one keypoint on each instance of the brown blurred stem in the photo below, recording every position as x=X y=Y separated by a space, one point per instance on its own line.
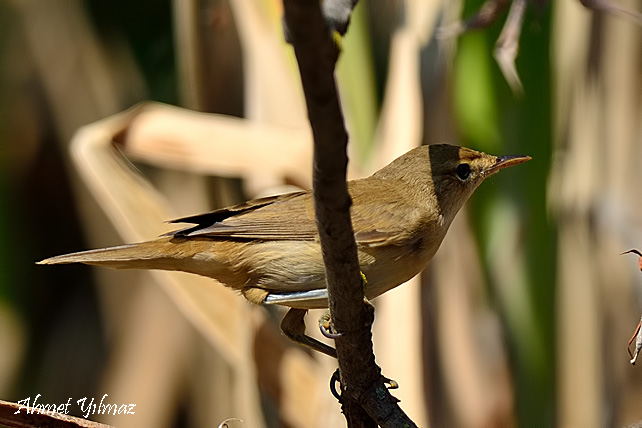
x=29 y=417
x=608 y=6
x=366 y=401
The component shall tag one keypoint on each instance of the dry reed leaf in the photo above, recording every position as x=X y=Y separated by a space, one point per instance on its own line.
x=273 y=92
x=171 y=137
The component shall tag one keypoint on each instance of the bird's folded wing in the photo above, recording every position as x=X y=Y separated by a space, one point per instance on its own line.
x=291 y=217
x=275 y=218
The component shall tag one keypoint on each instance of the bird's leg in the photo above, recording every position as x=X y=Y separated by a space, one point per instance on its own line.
x=293 y=326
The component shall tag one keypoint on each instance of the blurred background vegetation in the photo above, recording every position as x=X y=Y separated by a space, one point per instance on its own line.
x=521 y=320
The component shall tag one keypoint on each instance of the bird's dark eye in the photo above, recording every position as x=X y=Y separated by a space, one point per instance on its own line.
x=463 y=171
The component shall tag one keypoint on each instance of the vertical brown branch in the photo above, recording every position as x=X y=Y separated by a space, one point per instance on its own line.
x=362 y=385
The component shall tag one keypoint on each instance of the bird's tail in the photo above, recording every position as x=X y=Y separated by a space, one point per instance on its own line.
x=143 y=255
x=204 y=257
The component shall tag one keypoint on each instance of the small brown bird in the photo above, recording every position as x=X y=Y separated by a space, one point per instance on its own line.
x=268 y=249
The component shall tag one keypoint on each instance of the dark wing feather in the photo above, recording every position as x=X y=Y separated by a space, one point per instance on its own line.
x=376 y=217
x=282 y=217
x=223 y=213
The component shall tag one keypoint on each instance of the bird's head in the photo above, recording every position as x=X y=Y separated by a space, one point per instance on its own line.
x=457 y=171
x=448 y=173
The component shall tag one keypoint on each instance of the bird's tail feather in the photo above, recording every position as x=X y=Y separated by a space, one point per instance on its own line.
x=200 y=256
x=131 y=256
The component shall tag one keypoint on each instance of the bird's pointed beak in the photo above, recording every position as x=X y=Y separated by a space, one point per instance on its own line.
x=506 y=161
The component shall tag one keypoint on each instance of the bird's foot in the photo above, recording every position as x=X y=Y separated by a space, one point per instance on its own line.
x=336 y=378
x=293 y=325
x=392 y=384
x=325 y=322
x=325 y=325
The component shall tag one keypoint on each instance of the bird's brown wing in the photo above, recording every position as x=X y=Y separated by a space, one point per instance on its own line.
x=283 y=217
x=377 y=220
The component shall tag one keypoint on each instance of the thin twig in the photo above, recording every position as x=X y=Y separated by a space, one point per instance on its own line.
x=508 y=45
x=637 y=336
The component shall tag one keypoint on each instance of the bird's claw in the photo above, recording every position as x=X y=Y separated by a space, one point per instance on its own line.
x=325 y=322
x=336 y=378
x=392 y=384
x=325 y=326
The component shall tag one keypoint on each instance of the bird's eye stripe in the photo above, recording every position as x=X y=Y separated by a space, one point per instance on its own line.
x=463 y=171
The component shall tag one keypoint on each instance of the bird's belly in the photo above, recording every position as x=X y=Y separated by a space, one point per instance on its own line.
x=297 y=266
x=285 y=266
